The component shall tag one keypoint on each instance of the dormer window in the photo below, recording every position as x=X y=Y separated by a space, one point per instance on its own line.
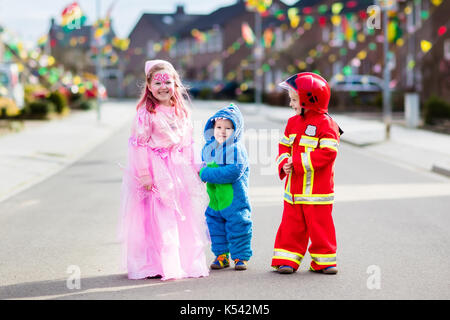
x=167 y=19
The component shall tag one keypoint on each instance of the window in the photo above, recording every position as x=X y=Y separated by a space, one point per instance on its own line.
x=215 y=40
x=338 y=35
x=150 y=49
x=278 y=39
x=337 y=67
x=447 y=49
x=325 y=34
x=218 y=71
x=418 y=13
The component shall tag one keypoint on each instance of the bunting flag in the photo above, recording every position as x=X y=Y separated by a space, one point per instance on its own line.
x=394 y=30
x=442 y=30
x=260 y=6
x=72 y=17
x=268 y=38
x=425 y=45
x=168 y=44
x=437 y=3
x=247 y=34
x=42 y=41
x=279 y=14
x=336 y=8
x=199 y=36
x=293 y=16
x=121 y=44
x=348 y=29
x=102 y=27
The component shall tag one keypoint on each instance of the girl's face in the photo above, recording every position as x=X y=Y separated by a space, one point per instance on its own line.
x=223 y=129
x=294 y=102
x=162 y=86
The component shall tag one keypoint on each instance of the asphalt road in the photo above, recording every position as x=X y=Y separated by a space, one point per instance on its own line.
x=392 y=225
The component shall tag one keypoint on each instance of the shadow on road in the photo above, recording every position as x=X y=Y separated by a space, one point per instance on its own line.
x=59 y=289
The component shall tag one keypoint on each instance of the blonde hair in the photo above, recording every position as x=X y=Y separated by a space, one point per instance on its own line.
x=294 y=92
x=180 y=98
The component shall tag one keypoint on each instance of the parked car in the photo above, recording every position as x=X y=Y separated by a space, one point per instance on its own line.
x=211 y=89
x=356 y=82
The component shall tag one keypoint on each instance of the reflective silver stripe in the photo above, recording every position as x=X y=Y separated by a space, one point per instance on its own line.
x=308 y=142
x=288 y=197
x=288 y=186
x=324 y=260
x=329 y=143
x=308 y=173
x=282 y=157
x=277 y=253
x=318 y=199
x=288 y=141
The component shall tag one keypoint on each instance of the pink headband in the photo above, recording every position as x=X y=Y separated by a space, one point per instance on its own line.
x=151 y=63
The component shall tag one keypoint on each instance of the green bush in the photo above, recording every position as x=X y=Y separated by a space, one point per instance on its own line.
x=436 y=109
x=205 y=93
x=88 y=104
x=245 y=97
x=40 y=109
x=59 y=100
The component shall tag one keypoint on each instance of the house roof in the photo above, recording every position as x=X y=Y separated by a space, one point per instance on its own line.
x=57 y=32
x=167 y=24
x=217 y=17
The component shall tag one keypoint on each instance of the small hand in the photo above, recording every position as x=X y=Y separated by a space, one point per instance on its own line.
x=287 y=167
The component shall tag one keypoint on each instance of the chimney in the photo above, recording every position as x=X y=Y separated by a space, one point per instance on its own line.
x=180 y=9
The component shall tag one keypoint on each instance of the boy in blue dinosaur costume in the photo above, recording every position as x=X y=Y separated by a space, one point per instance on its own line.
x=226 y=173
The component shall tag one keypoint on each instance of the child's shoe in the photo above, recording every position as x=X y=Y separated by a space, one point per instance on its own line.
x=221 y=261
x=285 y=269
x=240 y=264
x=329 y=270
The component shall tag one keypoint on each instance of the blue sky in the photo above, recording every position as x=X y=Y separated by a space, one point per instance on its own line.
x=30 y=19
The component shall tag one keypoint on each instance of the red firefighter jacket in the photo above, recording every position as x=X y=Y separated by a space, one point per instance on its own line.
x=312 y=141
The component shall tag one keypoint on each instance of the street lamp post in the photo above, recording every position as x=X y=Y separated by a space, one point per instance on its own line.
x=387 y=108
x=258 y=58
x=98 y=66
x=387 y=104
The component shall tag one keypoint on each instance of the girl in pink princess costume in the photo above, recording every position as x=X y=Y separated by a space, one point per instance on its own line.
x=163 y=227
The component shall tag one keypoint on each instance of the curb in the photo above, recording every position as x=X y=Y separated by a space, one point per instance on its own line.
x=441 y=169
x=42 y=161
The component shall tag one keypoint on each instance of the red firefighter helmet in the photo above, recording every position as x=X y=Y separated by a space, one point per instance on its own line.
x=313 y=90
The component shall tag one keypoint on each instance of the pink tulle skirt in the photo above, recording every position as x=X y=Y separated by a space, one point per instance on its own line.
x=164 y=231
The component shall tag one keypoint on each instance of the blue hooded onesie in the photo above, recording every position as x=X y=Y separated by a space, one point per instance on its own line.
x=226 y=174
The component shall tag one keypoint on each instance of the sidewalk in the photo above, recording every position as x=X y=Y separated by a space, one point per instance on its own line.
x=39 y=151
x=418 y=148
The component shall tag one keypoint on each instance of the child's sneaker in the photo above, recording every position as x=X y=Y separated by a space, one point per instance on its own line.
x=329 y=270
x=240 y=264
x=285 y=269
x=221 y=261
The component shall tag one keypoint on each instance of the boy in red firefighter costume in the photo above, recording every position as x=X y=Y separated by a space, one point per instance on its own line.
x=307 y=154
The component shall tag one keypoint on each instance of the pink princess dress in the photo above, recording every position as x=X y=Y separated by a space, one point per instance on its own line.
x=163 y=230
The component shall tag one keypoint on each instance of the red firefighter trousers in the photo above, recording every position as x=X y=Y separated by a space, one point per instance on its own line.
x=301 y=222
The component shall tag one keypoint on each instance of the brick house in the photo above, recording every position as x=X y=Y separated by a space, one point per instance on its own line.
x=426 y=73
x=209 y=60
x=74 y=50
x=151 y=30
